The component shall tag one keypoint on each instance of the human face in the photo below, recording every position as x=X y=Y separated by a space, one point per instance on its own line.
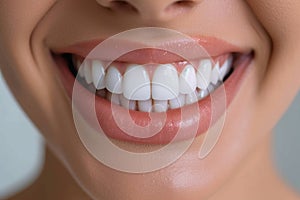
x=31 y=32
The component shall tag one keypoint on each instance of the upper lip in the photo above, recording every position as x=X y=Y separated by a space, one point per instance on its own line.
x=212 y=47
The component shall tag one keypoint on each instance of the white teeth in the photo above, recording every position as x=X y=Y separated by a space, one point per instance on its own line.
x=98 y=74
x=177 y=102
x=87 y=72
x=126 y=103
x=135 y=91
x=191 y=98
x=113 y=80
x=203 y=74
x=136 y=83
x=187 y=80
x=226 y=67
x=165 y=83
x=160 y=105
x=215 y=74
x=145 y=106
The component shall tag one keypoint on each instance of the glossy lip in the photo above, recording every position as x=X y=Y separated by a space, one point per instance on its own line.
x=173 y=120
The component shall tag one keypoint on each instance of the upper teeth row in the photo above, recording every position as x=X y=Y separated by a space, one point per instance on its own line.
x=165 y=84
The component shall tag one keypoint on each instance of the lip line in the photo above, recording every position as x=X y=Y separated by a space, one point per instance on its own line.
x=221 y=59
x=213 y=47
x=179 y=65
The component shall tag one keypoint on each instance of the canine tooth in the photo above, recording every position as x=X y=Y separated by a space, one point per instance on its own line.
x=165 y=83
x=177 y=102
x=203 y=74
x=145 y=106
x=225 y=67
x=98 y=74
x=187 y=80
x=160 y=105
x=113 y=80
x=87 y=72
x=136 y=83
x=215 y=74
x=191 y=98
x=126 y=103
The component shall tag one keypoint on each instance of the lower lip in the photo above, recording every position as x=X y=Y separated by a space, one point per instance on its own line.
x=173 y=119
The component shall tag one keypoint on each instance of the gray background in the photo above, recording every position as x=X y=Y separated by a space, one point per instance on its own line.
x=21 y=147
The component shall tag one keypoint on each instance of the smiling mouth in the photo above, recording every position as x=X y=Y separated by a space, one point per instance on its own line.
x=152 y=87
x=144 y=83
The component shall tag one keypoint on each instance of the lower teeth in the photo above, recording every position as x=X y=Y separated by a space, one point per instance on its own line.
x=152 y=105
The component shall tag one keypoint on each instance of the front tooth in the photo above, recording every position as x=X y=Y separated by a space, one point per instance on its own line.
x=225 y=67
x=87 y=72
x=126 y=103
x=136 y=83
x=215 y=74
x=203 y=74
x=98 y=74
x=113 y=80
x=165 y=83
x=191 y=98
x=160 y=105
x=177 y=102
x=187 y=80
x=145 y=106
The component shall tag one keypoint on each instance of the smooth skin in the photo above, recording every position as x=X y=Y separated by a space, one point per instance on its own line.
x=239 y=167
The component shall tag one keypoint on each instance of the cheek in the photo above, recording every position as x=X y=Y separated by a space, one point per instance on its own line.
x=19 y=65
x=17 y=26
x=281 y=20
x=280 y=81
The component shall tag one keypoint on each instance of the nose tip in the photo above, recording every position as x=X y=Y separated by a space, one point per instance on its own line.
x=151 y=10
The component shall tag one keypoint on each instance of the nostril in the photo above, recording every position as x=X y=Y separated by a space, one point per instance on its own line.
x=181 y=6
x=153 y=10
x=122 y=5
x=184 y=3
